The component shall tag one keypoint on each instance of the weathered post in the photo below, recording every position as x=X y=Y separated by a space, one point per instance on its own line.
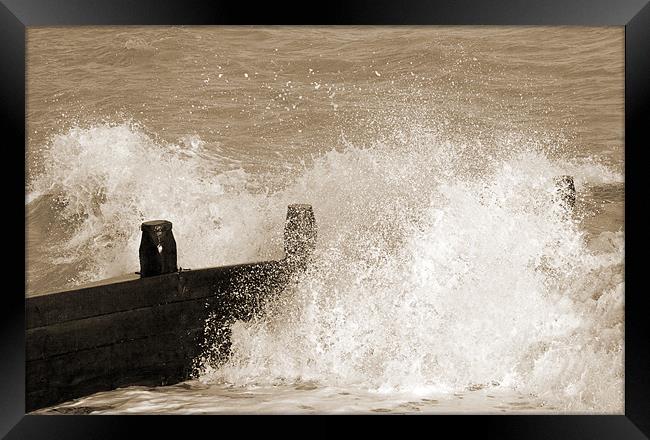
x=299 y=235
x=157 y=248
x=566 y=191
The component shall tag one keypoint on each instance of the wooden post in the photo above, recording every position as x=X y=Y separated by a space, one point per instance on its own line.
x=157 y=249
x=566 y=191
x=299 y=234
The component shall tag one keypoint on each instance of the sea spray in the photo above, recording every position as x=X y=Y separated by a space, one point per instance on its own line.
x=441 y=264
x=431 y=275
x=103 y=181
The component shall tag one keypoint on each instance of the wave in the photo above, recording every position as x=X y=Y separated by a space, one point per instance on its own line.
x=440 y=264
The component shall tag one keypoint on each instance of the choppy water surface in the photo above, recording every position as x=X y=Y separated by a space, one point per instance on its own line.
x=446 y=279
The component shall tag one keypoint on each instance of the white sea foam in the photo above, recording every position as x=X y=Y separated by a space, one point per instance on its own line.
x=430 y=274
x=107 y=179
x=440 y=265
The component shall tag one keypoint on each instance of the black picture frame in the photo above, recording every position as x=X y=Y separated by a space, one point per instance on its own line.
x=16 y=15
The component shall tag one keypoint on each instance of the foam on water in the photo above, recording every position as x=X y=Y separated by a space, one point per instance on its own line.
x=441 y=265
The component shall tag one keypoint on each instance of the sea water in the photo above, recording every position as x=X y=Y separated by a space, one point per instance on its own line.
x=446 y=278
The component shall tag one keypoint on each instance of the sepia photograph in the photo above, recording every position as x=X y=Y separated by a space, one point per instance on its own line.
x=325 y=220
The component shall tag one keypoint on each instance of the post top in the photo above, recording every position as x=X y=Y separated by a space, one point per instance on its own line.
x=300 y=206
x=155 y=224
x=564 y=179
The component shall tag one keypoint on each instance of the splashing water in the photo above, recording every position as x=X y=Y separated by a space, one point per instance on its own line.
x=431 y=276
x=107 y=179
x=440 y=265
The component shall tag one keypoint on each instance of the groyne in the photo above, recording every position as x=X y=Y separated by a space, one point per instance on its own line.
x=149 y=330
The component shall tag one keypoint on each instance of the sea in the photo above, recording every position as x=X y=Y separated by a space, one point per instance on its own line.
x=447 y=278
